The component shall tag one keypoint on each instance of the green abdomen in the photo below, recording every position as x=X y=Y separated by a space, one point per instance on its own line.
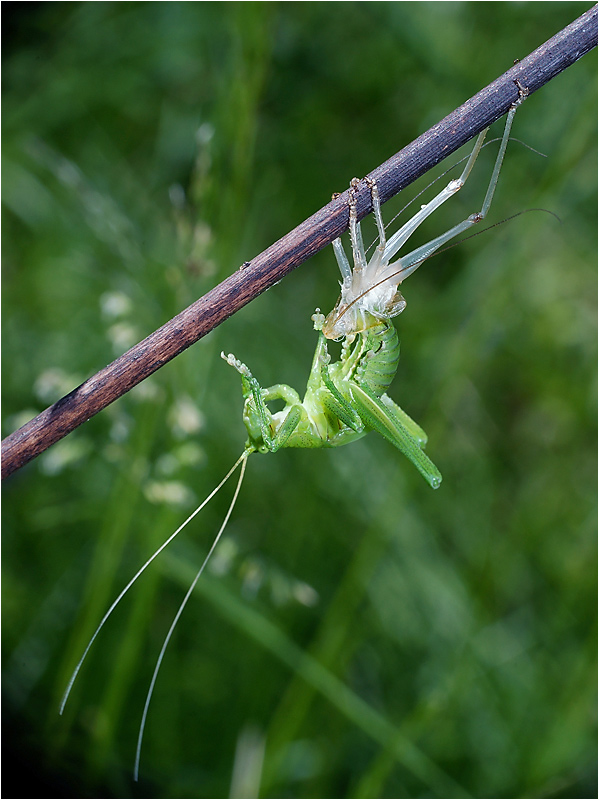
x=379 y=370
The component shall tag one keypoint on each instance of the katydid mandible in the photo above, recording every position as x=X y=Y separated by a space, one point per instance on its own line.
x=345 y=399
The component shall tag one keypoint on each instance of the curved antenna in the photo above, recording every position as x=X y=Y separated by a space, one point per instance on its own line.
x=242 y=458
x=142 y=726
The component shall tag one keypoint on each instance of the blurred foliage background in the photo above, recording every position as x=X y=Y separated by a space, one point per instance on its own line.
x=357 y=635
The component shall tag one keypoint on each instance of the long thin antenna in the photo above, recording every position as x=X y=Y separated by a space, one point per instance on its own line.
x=242 y=458
x=180 y=611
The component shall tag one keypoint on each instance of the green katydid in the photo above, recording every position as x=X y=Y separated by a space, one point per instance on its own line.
x=345 y=399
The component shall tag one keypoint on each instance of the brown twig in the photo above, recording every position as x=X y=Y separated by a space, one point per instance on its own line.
x=312 y=235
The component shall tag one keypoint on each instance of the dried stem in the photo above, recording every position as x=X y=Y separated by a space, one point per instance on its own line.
x=312 y=235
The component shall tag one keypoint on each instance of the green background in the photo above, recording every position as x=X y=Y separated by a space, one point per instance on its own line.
x=357 y=635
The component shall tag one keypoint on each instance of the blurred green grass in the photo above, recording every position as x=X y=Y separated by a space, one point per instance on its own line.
x=373 y=638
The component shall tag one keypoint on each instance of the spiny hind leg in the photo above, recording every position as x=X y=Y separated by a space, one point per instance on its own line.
x=355 y=230
x=378 y=215
x=408 y=423
x=379 y=416
x=410 y=262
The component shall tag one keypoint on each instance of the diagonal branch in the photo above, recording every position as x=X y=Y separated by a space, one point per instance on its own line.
x=266 y=269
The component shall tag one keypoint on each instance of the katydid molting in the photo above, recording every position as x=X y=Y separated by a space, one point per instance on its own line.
x=344 y=399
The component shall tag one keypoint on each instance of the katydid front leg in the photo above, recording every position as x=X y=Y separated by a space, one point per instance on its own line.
x=268 y=432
